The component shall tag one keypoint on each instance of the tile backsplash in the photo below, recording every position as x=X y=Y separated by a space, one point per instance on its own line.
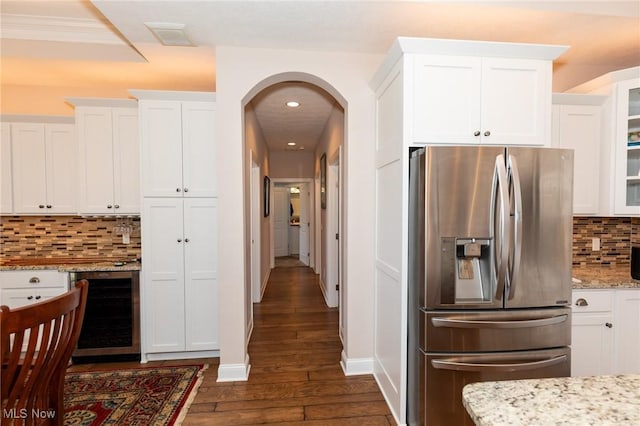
x=88 y=237
x=617 y=236
x=68 y=237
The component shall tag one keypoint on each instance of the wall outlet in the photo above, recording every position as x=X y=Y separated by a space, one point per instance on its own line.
x=595 y=244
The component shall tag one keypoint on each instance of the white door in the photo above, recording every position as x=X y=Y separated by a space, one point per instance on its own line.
x=198 y=149
x=280 y=221
x=6 y=197
x=163 y=303
x=126 y=164
x=161 y=148
x=201 y=273
x=333 y=234
x=62 y=181
x=95 y=135
x=29 y=168
x=305 y=197
x=255 y=211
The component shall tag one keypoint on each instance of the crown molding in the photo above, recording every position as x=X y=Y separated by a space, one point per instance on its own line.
x=72 y=30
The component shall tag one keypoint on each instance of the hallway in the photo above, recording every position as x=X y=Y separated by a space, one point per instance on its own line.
x=295 y=373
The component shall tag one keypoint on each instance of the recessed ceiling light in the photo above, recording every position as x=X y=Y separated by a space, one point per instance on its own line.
x=293 y=104
x=291 y=143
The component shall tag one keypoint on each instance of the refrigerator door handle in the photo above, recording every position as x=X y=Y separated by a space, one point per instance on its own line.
x=514 y=269
x=462 y=323
x=500 y=244
x=519 y=366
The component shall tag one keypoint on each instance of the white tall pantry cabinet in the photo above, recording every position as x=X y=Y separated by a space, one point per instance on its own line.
x=432 y=91
x=179 y=291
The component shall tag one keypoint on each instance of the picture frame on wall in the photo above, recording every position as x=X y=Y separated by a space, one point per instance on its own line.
x=323 y=181
x=267 y=195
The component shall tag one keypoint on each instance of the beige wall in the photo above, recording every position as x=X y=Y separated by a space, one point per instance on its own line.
x=285 y=164
x=243 y=72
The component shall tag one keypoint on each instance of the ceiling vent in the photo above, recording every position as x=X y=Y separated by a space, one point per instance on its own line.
x=169 y=34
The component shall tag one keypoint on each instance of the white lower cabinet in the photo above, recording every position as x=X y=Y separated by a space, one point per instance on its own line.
x=592 y=332
x=627 y=331
x=21 y=288
x=180 y=290
x=605 y=334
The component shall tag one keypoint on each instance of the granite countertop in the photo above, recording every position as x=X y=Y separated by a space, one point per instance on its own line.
x=70 y=265
x=604 y=277
x=597 y=400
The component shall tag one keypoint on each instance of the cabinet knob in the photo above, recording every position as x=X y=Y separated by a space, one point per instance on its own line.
x=109 y=206
x=49 y=206
x=608 y=325
x=476 y=133
x=178 y=189
x=487 y=133
x=186 y=240
x=186 y=190
x=29 y=297
x=179 y=240
x=41 y=206
x=38 y=297
x=34 y=280
x=117 y=206
x=582 y=302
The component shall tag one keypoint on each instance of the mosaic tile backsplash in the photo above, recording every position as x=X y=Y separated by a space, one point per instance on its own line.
x=82 y=237
x=71 y=237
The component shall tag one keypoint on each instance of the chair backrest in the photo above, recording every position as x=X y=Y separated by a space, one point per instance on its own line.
x=33 y=380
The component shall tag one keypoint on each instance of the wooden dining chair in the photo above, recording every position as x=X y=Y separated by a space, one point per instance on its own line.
x=33 y=379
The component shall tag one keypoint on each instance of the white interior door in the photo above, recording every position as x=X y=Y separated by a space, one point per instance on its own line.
x=255 y=233
x=281 y=221
x=304 y=223
x=333 y=234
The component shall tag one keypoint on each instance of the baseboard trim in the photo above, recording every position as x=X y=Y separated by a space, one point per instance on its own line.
x=263 y=288
x=356 y=366
x=170 y=356
x=234 y=372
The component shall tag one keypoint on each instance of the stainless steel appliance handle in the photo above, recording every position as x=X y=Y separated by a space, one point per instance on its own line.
x=500 y=190
x=462 y=323
x=517 y=229
x=519 y=366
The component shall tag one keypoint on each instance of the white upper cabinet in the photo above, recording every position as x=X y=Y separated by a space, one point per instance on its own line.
x=109 y=156
x=577 y=125
x=474 y=100
x=620 y=149
x=43 y=168
x=6 y=190
x=178 y=145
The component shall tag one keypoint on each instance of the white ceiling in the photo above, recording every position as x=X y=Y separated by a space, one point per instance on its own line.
x=105 y=44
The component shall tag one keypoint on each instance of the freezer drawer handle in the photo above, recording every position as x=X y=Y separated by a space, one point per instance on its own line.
x=521 y=366
x=459 y=323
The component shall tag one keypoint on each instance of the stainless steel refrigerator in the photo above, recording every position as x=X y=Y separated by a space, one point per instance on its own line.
x=490 y=235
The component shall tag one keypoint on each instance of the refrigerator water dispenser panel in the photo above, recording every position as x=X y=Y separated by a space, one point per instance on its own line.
x=466 y=271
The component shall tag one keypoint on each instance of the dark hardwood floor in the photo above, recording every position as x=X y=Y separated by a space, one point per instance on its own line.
x=295 y=373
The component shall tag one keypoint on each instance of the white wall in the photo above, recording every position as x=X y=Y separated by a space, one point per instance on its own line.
x=241 y=73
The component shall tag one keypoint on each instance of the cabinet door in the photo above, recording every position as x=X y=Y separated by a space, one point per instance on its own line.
x=17 y=297
x=6 y=184
x=591 y=344
x=95 y=163
x=201 y=273
x=516 y=102
x=29 y=168
x=627 y=331
x=126 y=164
x=163 y=297
x=61 y=179
x=161 y=140
x=198 y=149
x=446 y=100
x=578 y=127
x=627 y=149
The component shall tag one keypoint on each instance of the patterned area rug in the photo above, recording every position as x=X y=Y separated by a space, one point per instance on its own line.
x=137 y=396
